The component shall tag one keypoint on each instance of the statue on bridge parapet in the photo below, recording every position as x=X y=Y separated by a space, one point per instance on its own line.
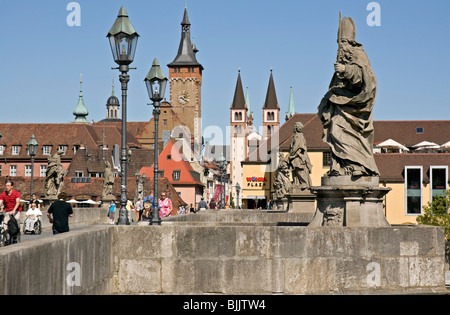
x=282 y=182
x=293 y=180
x=299 y=159
x=350 y=194
x=346 y=108
x=108 y=183
x=54 y=176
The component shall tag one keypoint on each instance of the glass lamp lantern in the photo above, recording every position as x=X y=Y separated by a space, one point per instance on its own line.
x=32 y=146
x=222 y=162
x=123 y=39
x=156 y=82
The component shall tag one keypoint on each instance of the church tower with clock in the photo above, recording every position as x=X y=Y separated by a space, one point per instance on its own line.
x=185 y=79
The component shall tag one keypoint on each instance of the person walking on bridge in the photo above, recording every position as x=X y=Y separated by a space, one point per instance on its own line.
x=59 y=213
x=10 y=199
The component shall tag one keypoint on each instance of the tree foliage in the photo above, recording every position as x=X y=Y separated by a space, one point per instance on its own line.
x=436 y=213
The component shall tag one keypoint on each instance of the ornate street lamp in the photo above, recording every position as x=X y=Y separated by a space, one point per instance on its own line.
x=238 y=190
x=143 y=180
x=32 y=150
x=123 y=40
x=138 y=178
x=223 y=168
x=156 y=83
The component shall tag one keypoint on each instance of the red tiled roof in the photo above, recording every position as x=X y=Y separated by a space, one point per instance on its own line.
x=176 y=162
x=312 y=132
x=55 y=135
x=392 y=165
x=404 y=132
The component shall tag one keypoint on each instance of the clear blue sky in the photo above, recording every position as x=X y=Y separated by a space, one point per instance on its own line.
x=43 y=57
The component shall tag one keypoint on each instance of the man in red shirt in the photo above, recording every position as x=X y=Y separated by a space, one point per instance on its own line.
x=10 y=200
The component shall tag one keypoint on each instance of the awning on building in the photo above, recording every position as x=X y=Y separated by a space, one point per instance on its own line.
x=255 y=197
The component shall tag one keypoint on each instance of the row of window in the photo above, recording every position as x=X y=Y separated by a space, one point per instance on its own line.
x=270 y=116
x=238 y=116
x=414 y=184
x=178 y=70
x=176 y=175
x=46 y=149
x=43 y=171
x=13 y=171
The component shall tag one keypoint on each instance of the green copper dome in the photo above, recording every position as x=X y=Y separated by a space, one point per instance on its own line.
x=80 y=112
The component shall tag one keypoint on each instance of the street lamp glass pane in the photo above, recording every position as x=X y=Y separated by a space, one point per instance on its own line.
x=149 y=85
x=123 y=48
x=156 y=88
x=32 y=150
x=162 y=90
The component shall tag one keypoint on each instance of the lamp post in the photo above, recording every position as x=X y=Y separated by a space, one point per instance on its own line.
x=143 y=180
x=123 y=40
x=223 y=168
x=138 y=178
x=238 y=190
x=156 y=83
x=32 y=150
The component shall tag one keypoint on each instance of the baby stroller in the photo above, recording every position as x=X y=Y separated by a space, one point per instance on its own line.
x=32 y=225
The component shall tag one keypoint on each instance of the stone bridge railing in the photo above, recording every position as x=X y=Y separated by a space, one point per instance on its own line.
x=230 y=255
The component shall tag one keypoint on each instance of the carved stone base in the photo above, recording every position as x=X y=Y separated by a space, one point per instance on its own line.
x=301 y=201
x=108 y=199
x=48 y=200
x=356 y=202
x=281 y=205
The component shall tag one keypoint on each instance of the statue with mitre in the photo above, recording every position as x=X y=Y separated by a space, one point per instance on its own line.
x=346 y=109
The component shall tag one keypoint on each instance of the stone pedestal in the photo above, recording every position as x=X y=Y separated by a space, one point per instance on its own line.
x=281 y=205
x=108 y=199
x=49 y=199
x=350 y=201
x=301 y=201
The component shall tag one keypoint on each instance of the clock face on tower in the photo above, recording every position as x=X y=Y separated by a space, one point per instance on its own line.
x=183 y=97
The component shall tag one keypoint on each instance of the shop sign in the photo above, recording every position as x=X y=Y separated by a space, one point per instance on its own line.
x=256 y=181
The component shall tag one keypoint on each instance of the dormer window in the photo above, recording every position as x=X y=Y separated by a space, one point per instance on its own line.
x=15 y=150
x=46 y=149
x=176 y=175
x=63 y=148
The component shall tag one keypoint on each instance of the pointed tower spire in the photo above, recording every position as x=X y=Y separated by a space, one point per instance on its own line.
x=249 y=111
x=186 y=51
x=271 y=110
x=291 y=109
x=271 y=96
x=238 y=100
x=80 y=112
x=185 y=21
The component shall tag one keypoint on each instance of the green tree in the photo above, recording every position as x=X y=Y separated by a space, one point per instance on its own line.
x=437 y=213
